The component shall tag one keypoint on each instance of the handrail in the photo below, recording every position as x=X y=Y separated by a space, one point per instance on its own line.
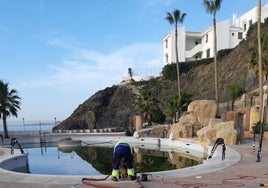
x=14 y=141
x=2 y=138
x=218 y=142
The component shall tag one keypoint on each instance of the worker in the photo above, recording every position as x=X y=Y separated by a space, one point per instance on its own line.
x=122 y=150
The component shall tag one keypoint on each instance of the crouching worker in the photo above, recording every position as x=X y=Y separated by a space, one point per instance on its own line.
x=122 y=150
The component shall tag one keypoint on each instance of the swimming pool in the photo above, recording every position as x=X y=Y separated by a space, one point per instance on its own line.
x=97 y=160
x=151 y=154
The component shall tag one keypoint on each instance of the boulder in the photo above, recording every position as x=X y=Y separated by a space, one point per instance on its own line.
x=200 y=112
x=218 y=129
x=182 y=129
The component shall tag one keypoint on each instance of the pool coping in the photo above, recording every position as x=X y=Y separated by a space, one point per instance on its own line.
x=214 y=164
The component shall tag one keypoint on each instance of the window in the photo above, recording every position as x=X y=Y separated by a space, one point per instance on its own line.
x=250 y=22
x=245 y=26
x=166 y=41
x=232 y=34
x=208 y=53
x=166 y=56
x=240 y=35
x=206 y=37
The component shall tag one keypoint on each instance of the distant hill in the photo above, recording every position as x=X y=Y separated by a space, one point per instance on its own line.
x=113 y=106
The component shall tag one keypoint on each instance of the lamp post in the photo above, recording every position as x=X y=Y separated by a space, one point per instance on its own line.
x=40 y=127
x=261 y=133
x=260 y=143
x=23 y=124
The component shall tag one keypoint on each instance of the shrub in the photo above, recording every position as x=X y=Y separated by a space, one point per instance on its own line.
x=256 y=128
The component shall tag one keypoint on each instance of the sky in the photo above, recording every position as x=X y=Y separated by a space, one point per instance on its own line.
x=58 y=53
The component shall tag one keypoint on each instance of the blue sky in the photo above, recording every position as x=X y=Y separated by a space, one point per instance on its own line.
x=58 y=53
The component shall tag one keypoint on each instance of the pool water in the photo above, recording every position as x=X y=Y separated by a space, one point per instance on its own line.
x=54 y=162
x=95 y=160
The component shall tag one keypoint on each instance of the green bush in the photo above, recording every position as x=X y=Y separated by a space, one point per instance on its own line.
x=223 y=53
x=256 y=128
x=169 y=71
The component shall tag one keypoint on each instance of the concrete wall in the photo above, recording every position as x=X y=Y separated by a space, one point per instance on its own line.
x=16 y=161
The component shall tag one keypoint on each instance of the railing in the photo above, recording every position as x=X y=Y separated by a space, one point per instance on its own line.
x=45 y=125
x=193 y=51
x=14 y=141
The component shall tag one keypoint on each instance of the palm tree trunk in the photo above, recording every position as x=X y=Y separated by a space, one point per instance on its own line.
x=177 y=62
x=215 y=64
x=260 y=61
x=260 y=79
x=5 y=127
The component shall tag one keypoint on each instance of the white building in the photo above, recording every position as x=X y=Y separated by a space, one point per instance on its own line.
x=198 y=45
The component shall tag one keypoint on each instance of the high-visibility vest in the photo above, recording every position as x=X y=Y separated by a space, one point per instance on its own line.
x=124 y=143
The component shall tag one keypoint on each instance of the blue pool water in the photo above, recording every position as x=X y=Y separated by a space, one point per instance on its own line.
x=54 y=162
x=93 y=161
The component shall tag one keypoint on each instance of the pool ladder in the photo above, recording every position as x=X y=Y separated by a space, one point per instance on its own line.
x=14 y=141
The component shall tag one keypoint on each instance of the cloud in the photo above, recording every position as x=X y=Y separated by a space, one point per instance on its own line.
x=81 y=68
x=89 y=66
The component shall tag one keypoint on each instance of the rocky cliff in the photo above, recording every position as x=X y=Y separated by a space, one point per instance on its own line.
x=113 y=106
x=110 y=107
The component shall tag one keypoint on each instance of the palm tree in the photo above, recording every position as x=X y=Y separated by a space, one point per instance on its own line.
x=254 y=59
x=175 y=104
x=173 y=19
x=235 y=91
x=171 y=107
x=260 y=77
x=265 y=59
x=212 y=6
x=145 y=104
x=130 y=73
x=9 y=104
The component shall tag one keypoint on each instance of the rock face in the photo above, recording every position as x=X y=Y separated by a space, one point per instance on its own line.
x=200 y=121
x=218 y=129
x=199 y=114
x=110 y=107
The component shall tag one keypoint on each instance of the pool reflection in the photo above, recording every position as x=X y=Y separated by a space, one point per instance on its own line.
x=97 y=160
x=146 y=160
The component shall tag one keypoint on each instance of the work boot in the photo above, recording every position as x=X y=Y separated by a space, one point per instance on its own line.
x=132 y=177
x=114 y=178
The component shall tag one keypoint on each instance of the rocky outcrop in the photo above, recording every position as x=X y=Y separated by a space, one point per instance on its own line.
x=218 y=129
x=201 y=122
x=199 y=114
x=110 y=107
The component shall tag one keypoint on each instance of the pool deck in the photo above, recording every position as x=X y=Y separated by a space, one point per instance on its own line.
x=239 y=169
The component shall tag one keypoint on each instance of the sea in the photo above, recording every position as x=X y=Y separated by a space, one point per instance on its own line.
x=29 y=125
